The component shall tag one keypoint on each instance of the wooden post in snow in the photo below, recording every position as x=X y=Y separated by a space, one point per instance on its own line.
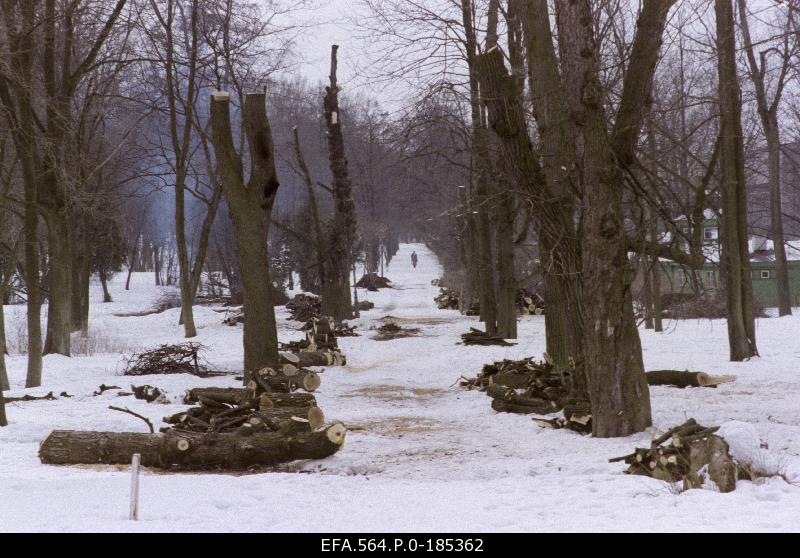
x=135 y=462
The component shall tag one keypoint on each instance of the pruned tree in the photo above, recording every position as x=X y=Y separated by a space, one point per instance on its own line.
x=336 y=301
x=250 y=202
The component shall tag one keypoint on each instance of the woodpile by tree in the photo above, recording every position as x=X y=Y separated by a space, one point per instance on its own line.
x=530 y=387
x=304 y=307
x=529 y=302
x=686 y=453
x=447 y=299
x=265 y=423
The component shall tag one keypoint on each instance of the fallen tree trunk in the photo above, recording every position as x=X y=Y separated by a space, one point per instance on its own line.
x=189 y=450
x=236 y=396
x=684 y=379
x=315 y=358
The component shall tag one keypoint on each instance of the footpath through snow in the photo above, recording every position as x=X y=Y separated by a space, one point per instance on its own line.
x=421 y=453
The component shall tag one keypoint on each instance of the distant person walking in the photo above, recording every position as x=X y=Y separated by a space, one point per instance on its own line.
x=414 y=259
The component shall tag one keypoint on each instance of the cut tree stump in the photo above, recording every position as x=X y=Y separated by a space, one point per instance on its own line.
x=189 y=450
x=684 y=379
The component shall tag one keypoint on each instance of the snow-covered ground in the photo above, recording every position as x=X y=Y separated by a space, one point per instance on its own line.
x=421 y=453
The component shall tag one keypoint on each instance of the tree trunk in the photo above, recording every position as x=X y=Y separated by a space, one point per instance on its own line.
x=507 y=285
x=776 y=219
x=59 y=279
x=336 y=301
x=250 y=205
x=481 y=177
x=33 y=377
x=104 y=282
x=188 y=450
x=618 y=391
x=735 y=257
x=647 y=290
x=4 y=384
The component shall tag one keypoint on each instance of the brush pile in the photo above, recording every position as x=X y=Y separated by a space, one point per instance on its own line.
x=182 y=358
x=373 y=282
x=687 y=453
x=304 y=307
x=530 y=387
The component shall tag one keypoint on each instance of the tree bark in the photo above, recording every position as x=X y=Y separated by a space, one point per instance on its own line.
x=735 y=256
x=481 y=175
x=59 y=280
x=188 y=450
x=250 y=205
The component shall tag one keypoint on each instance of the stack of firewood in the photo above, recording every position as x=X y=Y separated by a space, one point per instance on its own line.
x=530 y=387
x=319 y=348
x=253 y=409
x=447 y=299
x=304 y=307
x=529 y=302
x=685 y=453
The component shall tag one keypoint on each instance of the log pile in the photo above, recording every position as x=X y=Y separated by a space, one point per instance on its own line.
x=183 y=358
x=373 y=282
x=530 y=387
x=304 y=307
x=685 y=453
x=478 y=337
x=447 y=299
x=529 y=303
x=252 y=410
x=227 y=428
x=319 y=348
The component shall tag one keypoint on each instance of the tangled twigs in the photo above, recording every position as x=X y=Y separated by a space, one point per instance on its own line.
x=167 y=359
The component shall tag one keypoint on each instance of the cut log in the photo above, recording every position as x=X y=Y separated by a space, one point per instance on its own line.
x=271 y=381
x=189 y=450
x=531 y=406
x=684 y=379
x=231 y=396
x=510 y=379
x=317 y=358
